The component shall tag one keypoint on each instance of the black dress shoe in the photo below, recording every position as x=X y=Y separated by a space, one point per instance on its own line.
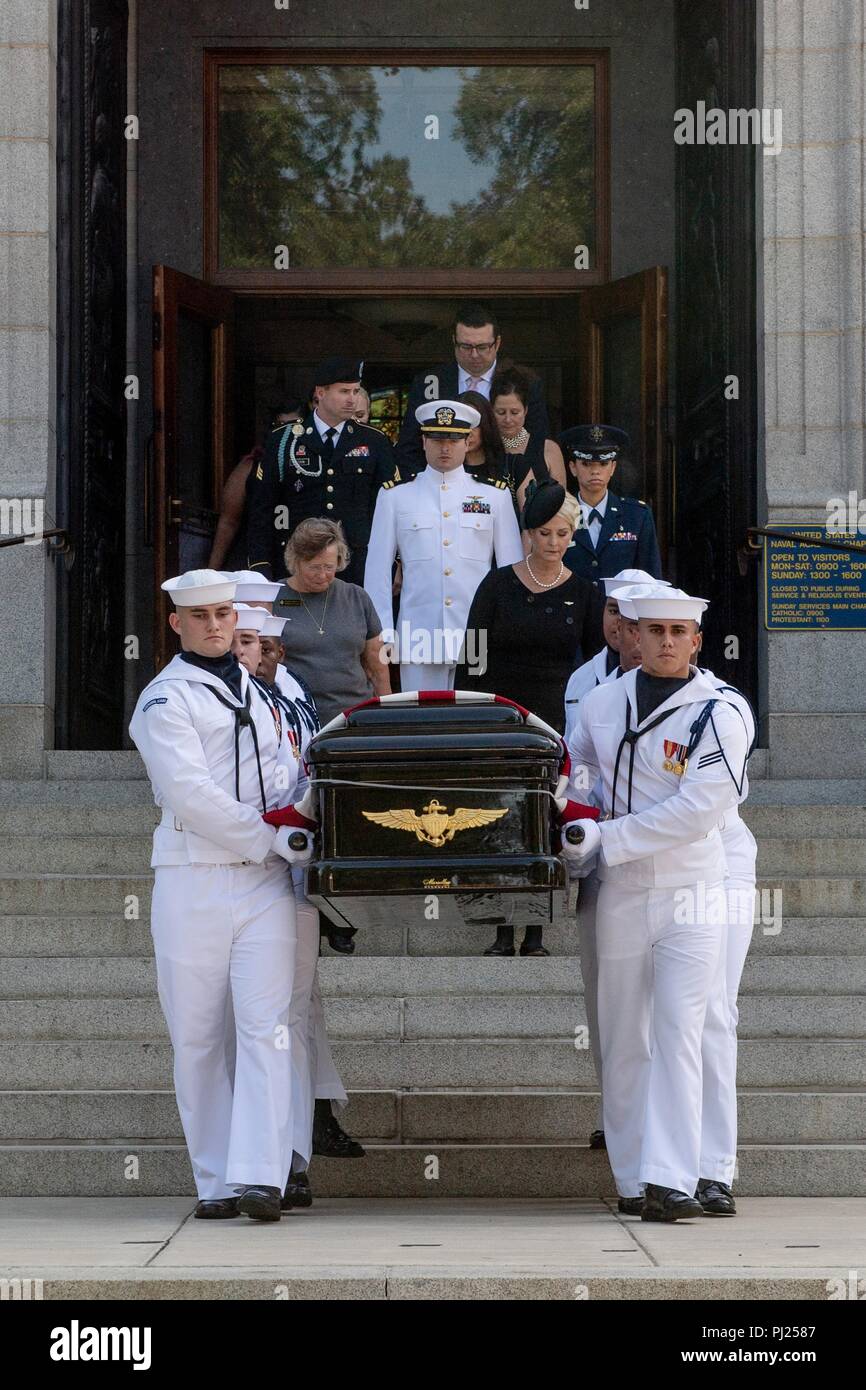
x=667 y=1204
x=216 y=1209
x=298 y=1192
x=497 y=950
x=340 y=940
x=716 y=1198
x=260 y=1203
x=330 y=1140
x=630 y=1206
x=596 y=1140
x=531 y=950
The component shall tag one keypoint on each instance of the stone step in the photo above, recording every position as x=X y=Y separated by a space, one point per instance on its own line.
x=443 y=1170
x=803 y=823
x=131 y=977
x=767 y=1117
x=450 y=1018
x=104 y=935
x=80 y=894
x=828 y=855
x=146 y=1065
x=115 y=845
x=122 y=764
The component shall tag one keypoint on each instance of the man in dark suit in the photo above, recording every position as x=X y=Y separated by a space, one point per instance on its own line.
x=476 y=340
x=327 y=464
x=618 y=532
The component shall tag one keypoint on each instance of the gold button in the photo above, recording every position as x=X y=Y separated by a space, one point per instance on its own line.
x=446 y=513
x=330 y=472
x=447 y=572
x=329 y=488
x=447 y=603
x=330 y=506
x=446 y=542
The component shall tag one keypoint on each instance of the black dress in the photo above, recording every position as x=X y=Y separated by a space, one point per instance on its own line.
x=534 y=640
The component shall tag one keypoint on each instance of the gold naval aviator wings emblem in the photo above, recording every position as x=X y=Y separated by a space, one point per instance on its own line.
x=434 y=826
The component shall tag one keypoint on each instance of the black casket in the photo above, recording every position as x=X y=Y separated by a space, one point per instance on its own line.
x=437 y=795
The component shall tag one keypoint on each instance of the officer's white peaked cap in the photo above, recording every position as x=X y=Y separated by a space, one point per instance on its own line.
x=626 y=593
x=252 y=587
x=669 y=605
x=198 y=587
x=250 y=619
x=447 y=417
x=624 y=577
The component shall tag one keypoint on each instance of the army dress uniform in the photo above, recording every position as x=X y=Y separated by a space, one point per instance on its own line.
x=310 y=476
x=448 y=529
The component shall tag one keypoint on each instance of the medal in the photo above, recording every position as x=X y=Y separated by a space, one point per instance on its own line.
x=676 y=758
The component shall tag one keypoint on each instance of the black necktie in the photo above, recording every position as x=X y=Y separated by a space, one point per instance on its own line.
x=595 y=516
x=328 y=445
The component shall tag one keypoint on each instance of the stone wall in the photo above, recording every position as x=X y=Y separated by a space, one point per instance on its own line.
x=813 y=269
x=28 y=59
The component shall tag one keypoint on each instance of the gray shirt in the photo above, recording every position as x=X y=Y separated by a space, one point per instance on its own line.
x=330 y=663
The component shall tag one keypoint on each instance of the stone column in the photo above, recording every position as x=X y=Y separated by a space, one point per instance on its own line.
x=27 y=376
x=813 y=191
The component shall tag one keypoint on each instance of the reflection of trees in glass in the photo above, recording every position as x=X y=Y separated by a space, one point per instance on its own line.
x=295 y=169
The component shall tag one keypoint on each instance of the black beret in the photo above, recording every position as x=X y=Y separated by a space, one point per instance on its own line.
x=338 y=369
x=593 y=442
x=543 y=505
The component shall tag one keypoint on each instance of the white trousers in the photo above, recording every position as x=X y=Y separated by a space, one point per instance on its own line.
x=416 y=677
x=224 y=941
x=314 y=1075
x=586 y=913
x=654 y=980
x=719 y=1040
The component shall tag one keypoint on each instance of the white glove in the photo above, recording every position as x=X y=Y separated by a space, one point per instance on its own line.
x=293 y=856
x=578 y=855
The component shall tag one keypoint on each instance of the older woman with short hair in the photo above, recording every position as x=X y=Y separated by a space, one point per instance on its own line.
x=332 y=634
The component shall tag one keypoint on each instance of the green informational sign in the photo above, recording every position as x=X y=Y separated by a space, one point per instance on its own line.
x=813 y=588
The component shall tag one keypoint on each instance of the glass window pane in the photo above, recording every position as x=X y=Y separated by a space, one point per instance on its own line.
x=479 y=168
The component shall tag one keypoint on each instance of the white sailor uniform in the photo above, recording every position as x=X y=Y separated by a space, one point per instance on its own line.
x=448 y=529
x=222 y=919
x=315 y=1076
x=660 y=916
x=719 y=1041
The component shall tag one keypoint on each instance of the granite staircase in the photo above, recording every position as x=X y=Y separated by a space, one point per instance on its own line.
x=466 y=1074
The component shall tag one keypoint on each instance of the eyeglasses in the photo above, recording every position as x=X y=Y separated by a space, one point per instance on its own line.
x=474 y=347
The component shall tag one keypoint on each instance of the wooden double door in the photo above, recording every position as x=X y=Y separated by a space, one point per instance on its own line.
x=603 y=352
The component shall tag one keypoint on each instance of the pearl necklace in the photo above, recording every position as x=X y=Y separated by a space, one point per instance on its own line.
x=540 y=582
x=516 y=441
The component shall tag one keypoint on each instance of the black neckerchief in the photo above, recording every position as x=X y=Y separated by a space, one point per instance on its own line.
x=226 y=668
x=652 y=691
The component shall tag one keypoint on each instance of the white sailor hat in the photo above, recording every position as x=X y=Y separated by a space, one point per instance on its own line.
x=253 y=587
x=624 y=577
x=447 y=417
x=250 y=619
x=198 y=587
x=272 y=627
x=669 y=605
x=624 y=596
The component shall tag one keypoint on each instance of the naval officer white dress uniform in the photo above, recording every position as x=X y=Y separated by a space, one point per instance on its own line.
x=660 y=915
x=448 y=529
x=222 y=916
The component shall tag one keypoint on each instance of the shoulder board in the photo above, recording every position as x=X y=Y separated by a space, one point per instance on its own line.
x=491 y=482
x=365 y=425
x=396 y=482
